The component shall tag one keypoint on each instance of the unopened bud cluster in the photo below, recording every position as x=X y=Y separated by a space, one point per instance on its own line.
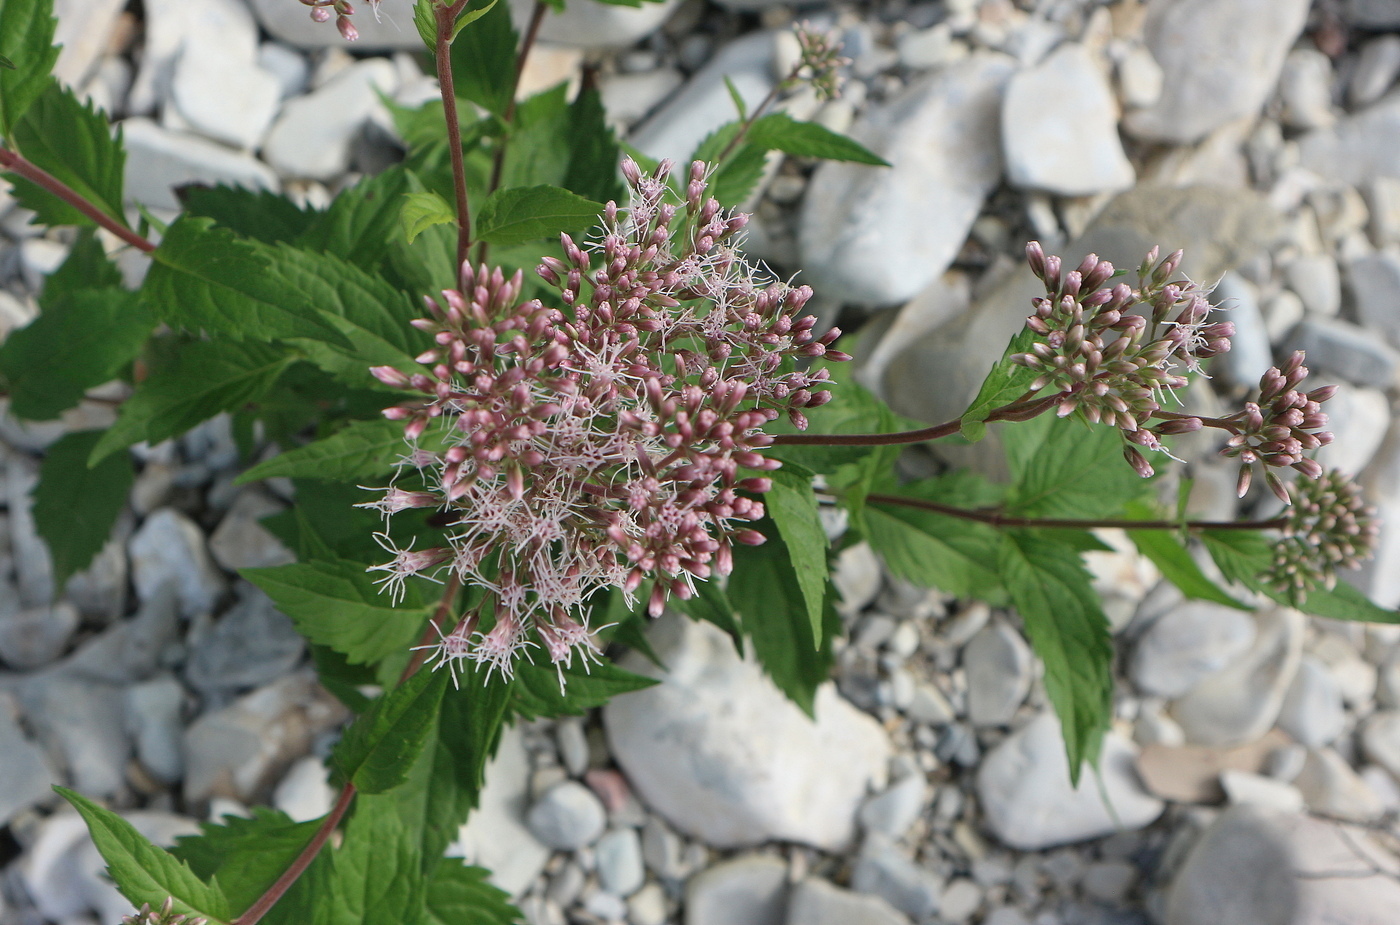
x=1279 y=427
x=164 y=916
x=1113 y=352
x=604 y=444
x=821 y=61
x=322 y=10
x=1329 y=527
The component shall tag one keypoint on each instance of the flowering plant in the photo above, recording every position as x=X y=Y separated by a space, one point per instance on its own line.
x=604 y=409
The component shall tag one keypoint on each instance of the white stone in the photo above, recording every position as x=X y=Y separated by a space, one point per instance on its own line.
x=857 y=577
x=495 y=835
x=35 y=637
x=155 y=721
x=923 y=49
x=818 y=902
x=1257 y=866
x=1242 y=787
x=1380 y=737
x=896 y=810
x=169 y=25
x=596 y=25
x=1376 y=69
x=748 y=890
x=28 y=772
x=391 y=30
x=1374 y=280
x=961 y=899
x=1025 y=791
x=676 y=129
x=1358 y=418
x=169 y=548
x=1313 y=712
x=158 y=160
x=1000 y=668
x=84 y=29
x=311 y=137
x=878 y=235
x=720 y=752
x=1317 y=282
x=1140 y=78
x=241 y=541
x=305 y=793
x=1059 y=127
x=222 y=94
x=1220 y=60
x=1331 y=788
x=1187 y=644
x=288 y=65
x=618 y=855
x=1357 y=148
x=628 y=98
x=567 y=817
x=1305 y=88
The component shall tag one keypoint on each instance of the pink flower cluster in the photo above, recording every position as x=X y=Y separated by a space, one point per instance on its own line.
x=602 y=444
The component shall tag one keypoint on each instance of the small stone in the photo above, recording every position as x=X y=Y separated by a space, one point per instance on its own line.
x=241 y=541
x=1356 y=148
x=154 y=718
x=960 y=901
x=1059 y=127
x=1376 y=69
x=33 y=566
x=1380 y=737
x=1241 y=702
x=1372 y=280
x=1358 y=419
x=250 y=645
x=618 y=855
x=1286 y=762
x=749 y=890
x=1316 y=281
x=1006 y=915
x=893 y=812
x=1025 y=790
x=85 y=28
x=305 y=793
x=99 y=591
x=293 y=25
x=857 y=578
x=647 y=906
x=1220 y=61
x=1191 y=773
x=1331 y=788
x=311 y=137
x=169 y=549
x=818 y=902
x=752 y=767
x=878 y=235
x=81 y=723
x=159 y=160
x=924 y=49
x=1250 y=355
x=1305 y=89
x=567 y=817
x=33 y=638
x=1110 y=881
x=27 y=776
x=1140 y=78
x=599 y=25
x=664 y=850
x=286 y=64
x=572 y=741
x=1247 y=868
x=928 y=705
x=629 y=98
x=131 y=650
x=999 y=668
x=206 y=69
x=495 y=836
x=1241 y=788
x=1313 y=712
x=1187 y=644
x=883 y=870
x=242 y=749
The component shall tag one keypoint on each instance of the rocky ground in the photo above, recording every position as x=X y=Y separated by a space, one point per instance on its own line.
x=1253 y=775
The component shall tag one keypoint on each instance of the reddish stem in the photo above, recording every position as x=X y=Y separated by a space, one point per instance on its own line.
x=997 y=519
x=1019 y=411
x=308 y=854
x=446 y=19
x=16 y=163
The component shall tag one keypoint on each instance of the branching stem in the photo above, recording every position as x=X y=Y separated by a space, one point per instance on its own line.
x=1022 y=410
x=16 y=163
x=758 y=110
x=998 y=519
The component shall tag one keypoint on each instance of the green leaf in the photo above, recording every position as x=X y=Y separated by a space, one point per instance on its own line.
x=936 y=551
x=1066 y=626
x=26 y=42
x=336 y=604
x=1174 y=561
x=594 y=153
x=779 y=131
x=375 y=753
x=1063 y=468
x=1344 y=602
x=85 y=268
x=264 y=216
x=483 y=60
x=793 y=506
x=521 y=214
x=765 y=591
x=73 y=142
x=469 y=16
x=76 y=507
x=377 y=872
x=339 y=525
x=543 y=690
x=460 y=895
x=246 y=855
x=363 y=218
x=425 y=21
x=201 y=379
x=6 y=63
x=736 y=98
x=422 y=211
x=80 y=340
x=1006 y=383
x=363 y=449
x=738 y=175
x=1241 y=555
x=143 y=872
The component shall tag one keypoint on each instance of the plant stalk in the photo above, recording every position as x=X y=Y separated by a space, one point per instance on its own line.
x=446 y=19
x=16 y=163
x=998 y=519
x=308 y=854
x=1019 y=411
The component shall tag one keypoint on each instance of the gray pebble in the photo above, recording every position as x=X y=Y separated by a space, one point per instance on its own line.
x=567 y=817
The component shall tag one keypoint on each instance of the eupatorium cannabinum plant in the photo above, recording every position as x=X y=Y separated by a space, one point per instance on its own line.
x=596 y=406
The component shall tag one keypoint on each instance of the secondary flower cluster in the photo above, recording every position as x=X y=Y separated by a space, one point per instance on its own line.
x=604 y=444
x=321 y=11
x=1113 y=354
x=1329 y=527
x=165 y=915
x=820 y=62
